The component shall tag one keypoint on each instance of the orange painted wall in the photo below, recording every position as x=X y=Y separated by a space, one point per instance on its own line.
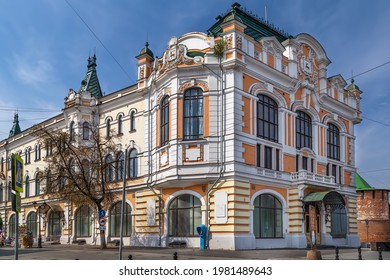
x=271 y=60
x=248 y=81
x=321 y=169
x=249 y=155
x=256 y=188
x=347 y=178
x=288 y=163
x=246 y=118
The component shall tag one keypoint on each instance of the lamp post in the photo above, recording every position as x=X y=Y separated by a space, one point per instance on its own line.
x=123 y=204
x=40 y=208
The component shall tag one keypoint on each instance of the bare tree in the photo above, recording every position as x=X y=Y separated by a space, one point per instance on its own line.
x=79 y=167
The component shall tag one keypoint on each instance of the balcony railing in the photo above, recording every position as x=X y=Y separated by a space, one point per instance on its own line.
x=272 y=173
x=303 y=175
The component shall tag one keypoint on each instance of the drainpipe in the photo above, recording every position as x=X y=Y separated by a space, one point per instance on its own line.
x=222 y=155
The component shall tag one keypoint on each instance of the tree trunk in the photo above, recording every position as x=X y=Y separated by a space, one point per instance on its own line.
x=103 y=244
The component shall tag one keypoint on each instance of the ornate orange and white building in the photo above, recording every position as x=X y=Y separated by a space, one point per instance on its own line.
x=257 y=144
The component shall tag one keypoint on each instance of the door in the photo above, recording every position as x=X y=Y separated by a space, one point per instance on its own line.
x=312 y=226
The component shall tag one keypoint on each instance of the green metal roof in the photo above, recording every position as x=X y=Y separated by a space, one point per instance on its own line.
x=353 y=87
x=361 y=184
x=91 y=81
x=256 y=28
x=328 y=197
x=146 y=50
x=15 y=126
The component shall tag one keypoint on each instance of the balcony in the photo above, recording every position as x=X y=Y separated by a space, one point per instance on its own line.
x=269 y=173
x=305 y=177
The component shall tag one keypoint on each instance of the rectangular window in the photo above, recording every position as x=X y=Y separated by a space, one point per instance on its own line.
x=334 y=172
x=277 y=159
x=304 y=163
x=297 y=163
x=312 y=166
x=258 y=154
x=267 y=157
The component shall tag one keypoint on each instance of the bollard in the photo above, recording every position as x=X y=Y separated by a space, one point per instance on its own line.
x=175 y=256
x=360 y=253
x=337 y=253
x=129 y=257
x=380 y=252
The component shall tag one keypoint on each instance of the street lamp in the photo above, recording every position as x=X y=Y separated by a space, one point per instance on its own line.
x=123 y=204
x=40 y=208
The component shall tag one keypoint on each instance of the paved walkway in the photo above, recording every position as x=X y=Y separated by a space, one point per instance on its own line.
x=87 y=252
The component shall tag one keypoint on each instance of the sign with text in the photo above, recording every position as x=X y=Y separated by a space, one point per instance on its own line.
x=17 y=173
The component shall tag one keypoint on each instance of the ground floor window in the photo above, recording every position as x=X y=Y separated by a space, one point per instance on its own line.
x=267 y=217
x=339 y=222
x=55 y=223
x=115 y=220
x=31 y=223
x=11 y=230
x=184 y=215
x=83 y=221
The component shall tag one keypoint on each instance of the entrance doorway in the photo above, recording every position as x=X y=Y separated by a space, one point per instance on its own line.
x=312 y=225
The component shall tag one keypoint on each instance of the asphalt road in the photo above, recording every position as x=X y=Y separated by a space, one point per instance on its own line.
x=87 y=252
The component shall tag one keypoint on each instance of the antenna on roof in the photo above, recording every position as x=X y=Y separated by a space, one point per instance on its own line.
x=265 y=11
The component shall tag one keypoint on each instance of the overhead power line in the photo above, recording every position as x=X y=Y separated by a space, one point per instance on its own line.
x=100 y=41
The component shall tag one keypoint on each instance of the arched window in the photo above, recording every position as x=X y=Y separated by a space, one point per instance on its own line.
x=83 y=221
x=31 y=223
x=27 y=186
x=133 y=164
x=108 y=128
x=132 y=121
x=37 y=152
x=267 y=118
x=1 y=164
x=303 y=130
x=11 y=226
x=55 y=226
x=193 y=114
x=164 y=121
x=120 y=125
x=38 y=179
x=339 y=221
x=184 y=215
x=71 y=132
x=109 y=172
x=267 y=217
x=115 y=219
x=333 y=142
x=120 y=160
x=86 y=131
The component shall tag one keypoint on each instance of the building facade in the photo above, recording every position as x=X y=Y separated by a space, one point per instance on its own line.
x=256 y=142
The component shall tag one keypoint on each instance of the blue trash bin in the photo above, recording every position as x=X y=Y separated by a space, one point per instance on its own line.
x=202 y=231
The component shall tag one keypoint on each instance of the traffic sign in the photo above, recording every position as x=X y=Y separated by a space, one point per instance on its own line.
x=17 y=173
x=102 y=213
x=102 y=221
x=102 y=227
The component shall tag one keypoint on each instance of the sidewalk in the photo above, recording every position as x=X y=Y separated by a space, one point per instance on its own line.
x=88 y=252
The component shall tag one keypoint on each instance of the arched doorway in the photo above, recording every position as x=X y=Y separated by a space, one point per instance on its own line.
x=332 y=204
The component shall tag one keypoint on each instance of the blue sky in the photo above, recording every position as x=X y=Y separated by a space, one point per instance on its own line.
x=44 y=50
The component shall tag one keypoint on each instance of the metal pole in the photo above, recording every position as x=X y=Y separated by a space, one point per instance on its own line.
x=39 y=228
x=123 y=205
x=16 y=235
